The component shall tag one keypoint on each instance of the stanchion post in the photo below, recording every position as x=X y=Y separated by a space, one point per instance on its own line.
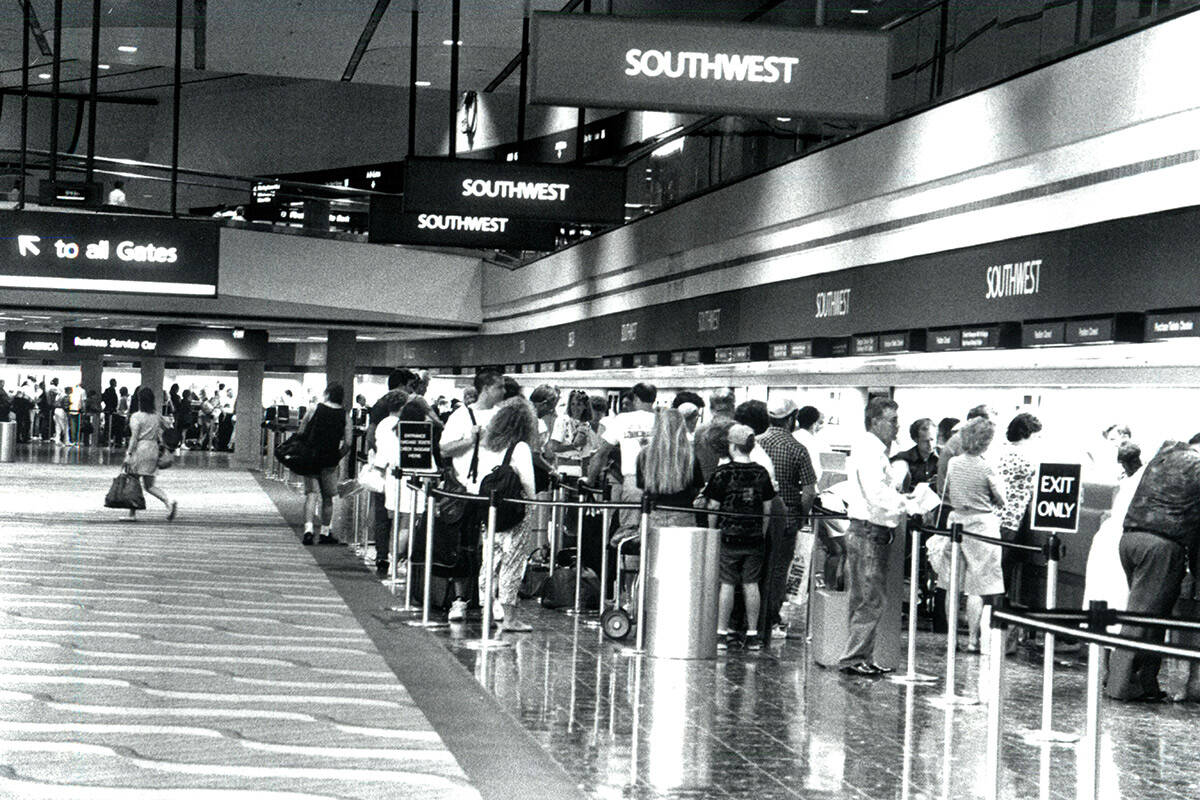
x=995 y=701
x=605 y=521
x=552 y=534
x=1046 y=734
x=412 y=532
x=485 y=641
x=911 y=675
x=577 y=609
x=643 y=563
x=949 y=697
x=430 y=508
x=1097 y=611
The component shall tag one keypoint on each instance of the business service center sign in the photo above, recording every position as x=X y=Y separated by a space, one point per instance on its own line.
x=108 y=253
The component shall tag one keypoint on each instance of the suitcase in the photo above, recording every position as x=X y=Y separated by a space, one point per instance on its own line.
x=828 y=625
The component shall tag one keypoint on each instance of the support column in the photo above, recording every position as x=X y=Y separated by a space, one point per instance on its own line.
x=92 y=375
x=341 y=361
x=153 y=370
x=248 y=410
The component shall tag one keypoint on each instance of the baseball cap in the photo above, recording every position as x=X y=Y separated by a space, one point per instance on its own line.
x=780 y=407
x=740 y=434
x=688 y=410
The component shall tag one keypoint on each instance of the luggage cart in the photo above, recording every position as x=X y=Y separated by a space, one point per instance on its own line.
x=617 y=621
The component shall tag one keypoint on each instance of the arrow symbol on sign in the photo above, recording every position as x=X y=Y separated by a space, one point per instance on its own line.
x=28 y=244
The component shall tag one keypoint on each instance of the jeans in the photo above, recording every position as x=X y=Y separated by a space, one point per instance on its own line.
x=867 y=546
x=781 y=549
x=1155 y=569
x=382 y=528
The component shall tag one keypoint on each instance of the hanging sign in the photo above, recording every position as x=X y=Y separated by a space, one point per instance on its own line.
x=623 y=62
x=221 y=344
x=390 y=224
x=1056 y=498
x=19 y=344
x=470 y=188
x=106 y=341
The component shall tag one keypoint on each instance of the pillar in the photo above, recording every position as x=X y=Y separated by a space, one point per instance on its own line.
x=92 y=375
x=153 y=370
x=248 y=408
x=341 y=362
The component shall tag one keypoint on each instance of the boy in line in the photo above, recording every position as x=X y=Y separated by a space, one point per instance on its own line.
x=742 y=486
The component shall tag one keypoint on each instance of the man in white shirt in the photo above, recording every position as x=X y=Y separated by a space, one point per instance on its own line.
x=461 y=432
x=630 y=432
x=809 y=422
x=116 y=197
x=875 y=507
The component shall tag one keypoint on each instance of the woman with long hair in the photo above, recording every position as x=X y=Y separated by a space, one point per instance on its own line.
x=145 y=438
x=324 y=428
x=515 y=426
x=668 y=470
x=573 y=438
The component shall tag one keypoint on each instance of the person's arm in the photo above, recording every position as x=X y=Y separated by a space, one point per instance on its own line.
x=522 y=462
x=996 y=487
x=459 y=435
x=599 y=462
x=875 y=484
x=766 y=523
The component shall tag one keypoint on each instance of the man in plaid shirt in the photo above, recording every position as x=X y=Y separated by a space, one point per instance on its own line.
x=797 y=488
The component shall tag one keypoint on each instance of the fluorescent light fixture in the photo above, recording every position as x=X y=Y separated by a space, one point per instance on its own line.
x=422 y=83
x=860 y=11
x=127 y=48
x=783 y=119
x=449 y=42
x=670 y=148
x=103 y=66
x=44 y=76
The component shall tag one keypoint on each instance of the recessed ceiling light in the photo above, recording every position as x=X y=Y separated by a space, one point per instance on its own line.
x=448 y=42
x=860 y=11
x=44 y=76
x=422 y=83
x=102 y=66
x=127 y=48
x=783 y=119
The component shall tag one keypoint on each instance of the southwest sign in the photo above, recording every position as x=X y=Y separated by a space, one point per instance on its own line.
x=108 y=253
x=622 y=62
x=390 y=224
x=472 y=189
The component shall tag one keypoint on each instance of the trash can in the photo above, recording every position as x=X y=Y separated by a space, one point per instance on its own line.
x=682 y=572
x=8 y=441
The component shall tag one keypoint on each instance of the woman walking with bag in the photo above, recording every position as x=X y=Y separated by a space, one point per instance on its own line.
x=145 y=442
x=324 y=429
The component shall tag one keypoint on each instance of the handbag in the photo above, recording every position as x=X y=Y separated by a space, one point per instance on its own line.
x=298 y=455
x=166 y=459
x=125 y=492
x=372 y=478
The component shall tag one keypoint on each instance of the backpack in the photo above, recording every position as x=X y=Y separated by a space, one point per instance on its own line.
x=505 y=483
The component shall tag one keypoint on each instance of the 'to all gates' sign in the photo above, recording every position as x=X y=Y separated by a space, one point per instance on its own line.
x=108 y=253
x=625 y=62
x=416 y=448
x=1056 y=498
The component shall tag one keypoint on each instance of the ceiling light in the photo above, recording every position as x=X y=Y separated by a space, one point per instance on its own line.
x=860 y=11
x=44 y=76
x=448 y=42
x=783 y=119
x=102 y=66
x=127 y=48
x=422 y=83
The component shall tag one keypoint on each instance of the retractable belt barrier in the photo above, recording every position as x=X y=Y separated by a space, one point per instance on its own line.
x=1088 y=626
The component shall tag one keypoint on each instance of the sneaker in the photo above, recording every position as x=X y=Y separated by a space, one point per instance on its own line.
x=308 y=538
x=880 y=670
x=754 y=641
x=779 y=633
x=458 y=611
x=722 y=641
x=860 y=668
x=174 y=508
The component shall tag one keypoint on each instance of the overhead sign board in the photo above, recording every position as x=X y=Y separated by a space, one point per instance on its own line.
x=107 y=341
x=20 y=344
x=624 y=62
x=390 y=224
x=218 y=344
x=472 y=188
x=416 y=448
x=1056 y=498
x=107 y=253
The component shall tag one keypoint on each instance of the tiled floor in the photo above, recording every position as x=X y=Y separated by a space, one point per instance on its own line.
x=208 y=657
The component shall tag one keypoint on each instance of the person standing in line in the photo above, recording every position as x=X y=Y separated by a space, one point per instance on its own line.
x=628 y=432
x=809 y=421
x=397 y=380
x=384 y=455
x=722 y=403
x=875 y=507
x=145 y=438
x=108 y=402
x=740 y=486
x=572 y=439
x=922 y=458
x=120 y=420
x=975 y=491
x=668 y=471
x=797 y=490
x=62 y=419
x=953 y=445
x=324 y=428
x=22 y=408
x=1018 y=471
x=1162 y=534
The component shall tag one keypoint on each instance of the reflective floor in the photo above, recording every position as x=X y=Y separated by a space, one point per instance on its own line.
x=773 y=725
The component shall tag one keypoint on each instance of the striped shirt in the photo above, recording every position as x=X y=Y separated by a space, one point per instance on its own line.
x=973 y=485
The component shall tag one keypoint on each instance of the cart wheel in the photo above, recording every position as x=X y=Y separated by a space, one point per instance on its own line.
x=615 y=623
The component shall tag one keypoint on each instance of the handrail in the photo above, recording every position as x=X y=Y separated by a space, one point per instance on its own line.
x=1096 y=637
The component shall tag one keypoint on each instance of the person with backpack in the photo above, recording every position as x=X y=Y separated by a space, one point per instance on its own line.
x=326 y=432
x=506 y=468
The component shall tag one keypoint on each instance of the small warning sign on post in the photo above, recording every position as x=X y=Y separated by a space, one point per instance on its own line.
x=1056 y=498
x=416 y=448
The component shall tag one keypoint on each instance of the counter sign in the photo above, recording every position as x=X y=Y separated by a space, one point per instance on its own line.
x=1056 y=498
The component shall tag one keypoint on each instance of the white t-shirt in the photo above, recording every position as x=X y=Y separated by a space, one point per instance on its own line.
x=814 y=446
x=522 y=462
x=458 y=427
x=631 y=432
